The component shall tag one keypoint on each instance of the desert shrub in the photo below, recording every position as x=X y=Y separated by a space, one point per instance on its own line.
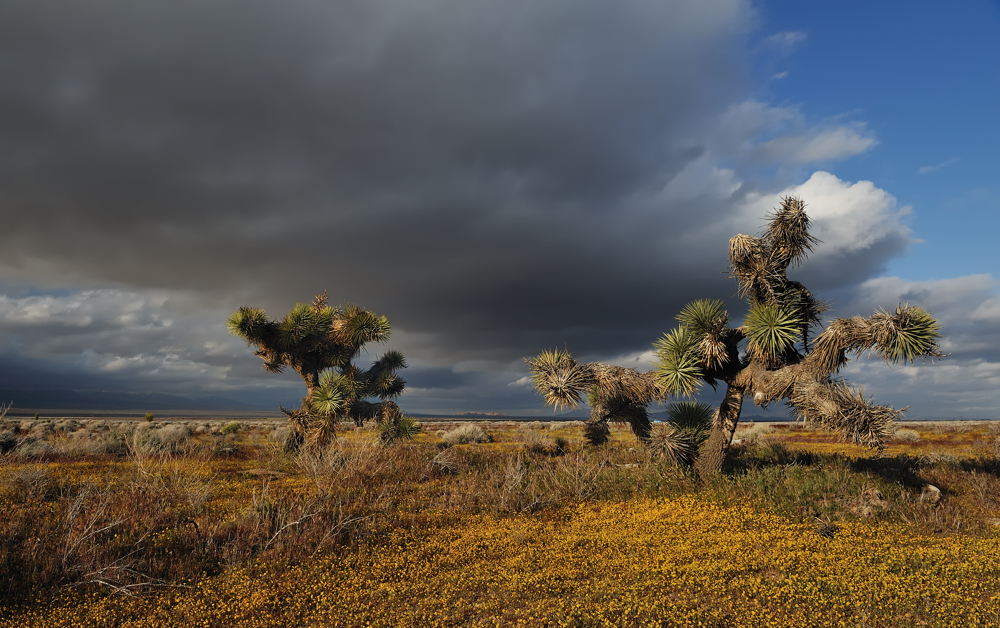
x=280 y=435
x=508 y=487
x=31 y=447
x=146 y=439
x=467 y=434
x=149 y=417
x=535 y=443
x=446 y=461
x=905 y=435
x=40 y=430
x=33 y=482
x=8 y=441
x=111 y=441
x=531 y=425
x=230 y=428
x=755 y=433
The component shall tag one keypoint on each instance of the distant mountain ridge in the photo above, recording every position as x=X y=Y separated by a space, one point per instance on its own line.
x=100 y=400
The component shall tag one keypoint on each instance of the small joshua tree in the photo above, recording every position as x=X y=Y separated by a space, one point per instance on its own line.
x=777 y=361
x=615 y=393
x=320 y=343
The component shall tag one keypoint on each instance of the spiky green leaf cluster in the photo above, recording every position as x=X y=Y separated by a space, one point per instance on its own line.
x=707 y=319
x=909 y=334
x=690 y=415
x=704 y=316
x=357 y=326
x=327 y=400
x=686 y=430
x=559 y=379
x=787 y=234
x=678 y=361
x=772 y=331
x=406 y=428
x=247 y=322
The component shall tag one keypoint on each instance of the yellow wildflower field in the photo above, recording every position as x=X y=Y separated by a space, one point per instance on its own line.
x=506 y=533
x=675 y=562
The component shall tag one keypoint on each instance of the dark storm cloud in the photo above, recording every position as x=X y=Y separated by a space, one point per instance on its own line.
x=497 y=178
x=463 y=166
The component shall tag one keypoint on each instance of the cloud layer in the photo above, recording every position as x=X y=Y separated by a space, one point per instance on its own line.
x=497 y=178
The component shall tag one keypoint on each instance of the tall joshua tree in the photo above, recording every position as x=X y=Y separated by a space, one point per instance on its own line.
x=320 y=343
x=777 y=361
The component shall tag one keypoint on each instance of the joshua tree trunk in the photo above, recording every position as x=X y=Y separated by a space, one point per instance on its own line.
x=301 y=419
x=311 y=378
x=716 y=448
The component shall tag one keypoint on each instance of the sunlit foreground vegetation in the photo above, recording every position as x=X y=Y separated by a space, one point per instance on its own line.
x=212 y=524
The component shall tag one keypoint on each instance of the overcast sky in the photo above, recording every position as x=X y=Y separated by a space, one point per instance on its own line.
x=496 y=177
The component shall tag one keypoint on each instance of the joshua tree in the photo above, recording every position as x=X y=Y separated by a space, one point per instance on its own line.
x=614 y=393
x=320 y=343
x=777 y=361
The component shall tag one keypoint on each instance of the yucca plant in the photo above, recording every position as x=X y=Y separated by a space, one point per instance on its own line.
x=320 y=343
x=406 y=428
x=681 y=437
x=777 y=362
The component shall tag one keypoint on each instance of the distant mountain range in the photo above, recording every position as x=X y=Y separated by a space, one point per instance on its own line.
x=576 y=415
x=27 y=401
x=33 y=400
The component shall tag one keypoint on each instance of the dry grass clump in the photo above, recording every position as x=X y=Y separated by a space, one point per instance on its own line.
x=467 y=434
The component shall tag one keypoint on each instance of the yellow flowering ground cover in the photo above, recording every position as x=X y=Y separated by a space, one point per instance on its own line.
x=669 y=562
x=221 y=528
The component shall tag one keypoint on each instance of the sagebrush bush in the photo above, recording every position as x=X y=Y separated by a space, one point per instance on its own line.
x=230 y=428
x=905 y=435
x=280 y=435
x=8 y=441
x=755 y=433
x=150 y=439
x=467 y=434
x=536 y=443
